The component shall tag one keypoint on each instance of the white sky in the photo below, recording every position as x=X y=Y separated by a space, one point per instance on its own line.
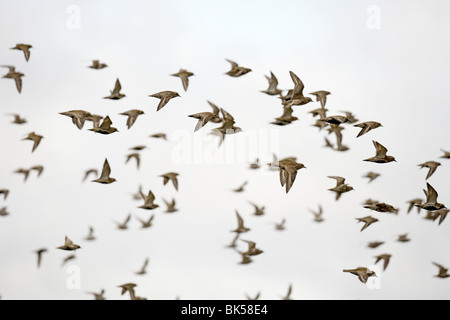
x=397 y=75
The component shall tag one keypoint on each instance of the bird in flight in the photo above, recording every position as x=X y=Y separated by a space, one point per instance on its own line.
x=164 y=97
x=272 y=90
x=132 y=116
x=18 y=119
x=146 y=223
x=148 y=201
x=39 y=253
x=296 y=98
x=431 y=165
x=170 y=176
x=367 y=221
x=236 y=70
x=25 y=48
x=431 y=203
x=143 y=269
x=17 y=76
x=366 y=127
x=443 y=271
x=240 y=228
x=385 y=257
x=96 y=64
x=288 y=172
x=363 y=273
x=115 y=93
x=69 y=245
x=184 y=76
x=380 y=155
x=321 y=96
x=105 y=127
x=371 y=175
x=341 y=187
x=36 y=138
x=105 y=175
x=78 y=117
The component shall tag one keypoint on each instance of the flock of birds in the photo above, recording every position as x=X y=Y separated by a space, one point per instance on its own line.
x=288 y=167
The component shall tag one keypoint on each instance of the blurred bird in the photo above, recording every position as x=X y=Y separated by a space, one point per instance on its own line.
x=441 y=214
x=273 y=84
x=380 y=156
x=321 y=96
x=18 y=119
x=341 y=187
x=203 y=118
x=350 y=116
x=363 y=273
x=172 y=176
x=170 y=206
x=136 y=156
x=431 y=165
x=5 y=193
x=318 y=214
x=443 y=272
x=159 y=136
x=123 y=225
x=241 y=228
x=253 y=298
x=132 y=116
x=36 y=138
x=164 y=97
x=366 y=127
x=184 y=76
x=138 y=148
x=227 y=126
x=25 y=48
x=39 y=169
x=288 y=172
x=98 y=296
x=296 y=98
x=252 y=250
x=403 y=238
x=105 y=175
x=69 y=245
x=382 y=207
x=17 y=76
x=321 y=112
x=90 y=236
x=280 y=226
x=245 y=258
x=216 y=111
x=288 y=294
x=95 y=119
x=115 y=93
x=105 y=127
x=337 y=120
x=68 y=258
x=78 y=117
x=143 y=269
x=88 y=172
x=375 y=244
x=255 y=165
x=4 y=212
x=367 y=221
x=446 y=154
x=236 y=70
x=413 y=203
x=25 y=172
x=39 y=253
x=233 y=243
x=431 y=204
x=286 y=118
x=385 y=257
x=241 y=187
x=148 y=201
x=371 y=175
x=259 y=211
x=146 y=223
x=129 y=287
x=97 y=65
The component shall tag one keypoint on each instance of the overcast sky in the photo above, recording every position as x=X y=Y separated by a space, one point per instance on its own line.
x=385 y=61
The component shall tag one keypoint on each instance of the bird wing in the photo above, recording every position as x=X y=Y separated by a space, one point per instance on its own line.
x=233 y=64
x=106 y=171
x=339 y=180
x=299 y=86
x=431 y=194
x=117 y=87
x=380 y=149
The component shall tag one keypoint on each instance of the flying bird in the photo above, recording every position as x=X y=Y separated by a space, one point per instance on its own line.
x=25 y=48
x=36 y=138
x=403 y=238
x=297 y=98
x=132 y=116
x=241 y=187
x=129 y=287
x=17 y=76
x=5 y=193
x=366 y=127
x=98 y=296
x=288 y=172
x=288 y=294
x=90 y=236
x=148 y=201
x=258 y=295
x=286 y=118
x=443 y=271
x=146 y=223
x=23 y=171
x=115 y=93
x=341 y=187
x=78 y=117
x=321 y=96
x=280 y=226
x=272 y=90
x=318 y=214
x=240 y=228
x=123 y=225
x=381 y=154
x=170 y=176
x=159 y=136
x=255 y=165
x=69 y=245
x=39 y=253
x=367 y=221
x=95 y=119
x=431 y=165
x=203 y=118
x=375 y=244
x=227 y=126
x=143 y=269
x=236 y=70
x=259 y=211
x=371 y=175
x=382 y=207
x=216 y=111
x=363 y=273
x=252 y=249
x=446 y=154
x=385 y=257
x=18 y=119
x=431 y=203
x=170 y=206
x=88 y=172
x=4 y=212
x=105 y=127
x=164 y=97
x=105 y=175
x=412 y=203
x=136 y=156
x=96 y=64
x=184 y=76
